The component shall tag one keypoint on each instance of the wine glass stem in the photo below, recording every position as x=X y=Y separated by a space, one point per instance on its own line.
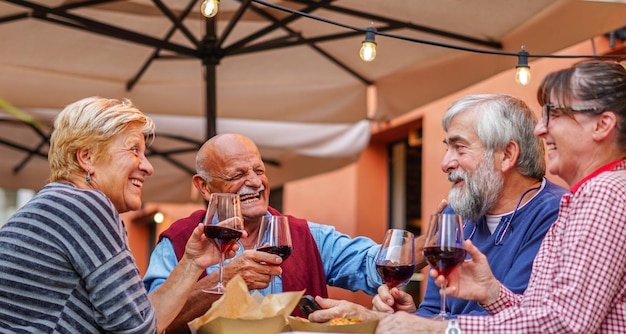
x=272 y=284
x=221 y=270
x=443 y=300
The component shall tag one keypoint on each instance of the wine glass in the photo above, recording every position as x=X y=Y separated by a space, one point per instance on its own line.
x=275 y=238
x=224 y=224
x=443 y=249
x=395 y=261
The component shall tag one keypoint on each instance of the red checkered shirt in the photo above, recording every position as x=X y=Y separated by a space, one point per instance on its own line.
x=578 y=282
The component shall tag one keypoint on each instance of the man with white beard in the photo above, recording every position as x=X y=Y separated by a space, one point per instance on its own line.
x=496 y=166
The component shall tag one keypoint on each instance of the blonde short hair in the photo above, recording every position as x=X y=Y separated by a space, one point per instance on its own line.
x=90 y=123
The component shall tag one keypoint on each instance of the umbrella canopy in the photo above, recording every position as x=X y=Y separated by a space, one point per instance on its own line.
x=293 y=83
x=290 y=150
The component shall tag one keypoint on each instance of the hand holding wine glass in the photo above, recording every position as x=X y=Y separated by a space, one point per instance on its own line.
x=224 y=224
x=443 y=248
x=204 y=252
x=395 y=261
x=274 y=238
x=474 y=280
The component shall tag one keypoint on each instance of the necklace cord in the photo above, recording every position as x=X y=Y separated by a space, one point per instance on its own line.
x=501 y=230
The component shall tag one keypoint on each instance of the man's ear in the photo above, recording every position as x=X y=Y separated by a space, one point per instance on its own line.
x=510 y=156
x=200 y=183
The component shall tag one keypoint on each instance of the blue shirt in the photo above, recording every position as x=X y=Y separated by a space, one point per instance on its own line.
x=512 y=259
x=349 y=263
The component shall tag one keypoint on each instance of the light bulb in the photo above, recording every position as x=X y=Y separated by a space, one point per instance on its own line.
x=368 y=51
x=209 y=8
x=368 y=46
x=158 y=217
x=522 y=70
x=522 y=75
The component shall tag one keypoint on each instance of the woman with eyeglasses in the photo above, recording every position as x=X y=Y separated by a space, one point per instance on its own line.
x=578 y=283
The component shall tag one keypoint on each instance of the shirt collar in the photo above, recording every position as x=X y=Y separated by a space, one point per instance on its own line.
x=608 y=167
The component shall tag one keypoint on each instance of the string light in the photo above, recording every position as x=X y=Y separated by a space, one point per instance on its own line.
x=368 y=46
x=158 y=217
x=209 y=8
x=522 y=70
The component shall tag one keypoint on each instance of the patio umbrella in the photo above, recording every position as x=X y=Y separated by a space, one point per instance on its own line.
x=293 y=84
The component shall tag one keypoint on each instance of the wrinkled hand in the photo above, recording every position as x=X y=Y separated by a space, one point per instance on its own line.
x=256 y=268
x=472 y=280
x=203 y=251
x=392 y=300
x=406 y=323
x=333 y=308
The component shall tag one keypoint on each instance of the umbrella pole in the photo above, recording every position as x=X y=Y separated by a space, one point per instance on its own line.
x=211 y=112
x=210 y=60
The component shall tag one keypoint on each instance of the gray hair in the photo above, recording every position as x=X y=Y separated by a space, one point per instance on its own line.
x=503 y=118
x=201 y=159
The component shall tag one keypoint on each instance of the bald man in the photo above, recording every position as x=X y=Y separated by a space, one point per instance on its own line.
x=321 y=256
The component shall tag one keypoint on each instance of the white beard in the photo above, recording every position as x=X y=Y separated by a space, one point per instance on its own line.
x=480 y=192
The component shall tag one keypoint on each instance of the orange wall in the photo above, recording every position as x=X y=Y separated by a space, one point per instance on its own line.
x=138 y=233
x=353 y=199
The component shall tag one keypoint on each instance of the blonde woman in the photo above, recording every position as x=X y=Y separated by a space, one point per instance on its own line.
x=65 y=264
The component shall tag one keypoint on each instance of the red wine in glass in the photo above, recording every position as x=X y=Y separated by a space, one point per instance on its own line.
x=223 y=224
x=275 y=238
x=224 y=237
x=282 y=251
x=395 y=261
x=443 y=249
x=444 y=259
x=394 y=274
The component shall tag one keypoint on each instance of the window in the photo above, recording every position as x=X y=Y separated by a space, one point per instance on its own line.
x=11 y=200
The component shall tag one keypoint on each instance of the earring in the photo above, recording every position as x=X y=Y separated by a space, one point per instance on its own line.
x=88 y=178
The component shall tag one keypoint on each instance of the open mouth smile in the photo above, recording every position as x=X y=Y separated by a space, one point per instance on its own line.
x=249 y=198
x=136 y=182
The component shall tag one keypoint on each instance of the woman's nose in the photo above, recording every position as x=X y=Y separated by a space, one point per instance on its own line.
x=540 y=129
x=146 y=166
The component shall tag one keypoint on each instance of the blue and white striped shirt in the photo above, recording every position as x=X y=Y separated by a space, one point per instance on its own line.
x=65 y=267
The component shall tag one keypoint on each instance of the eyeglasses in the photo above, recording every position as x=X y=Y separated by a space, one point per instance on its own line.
x=550 y=110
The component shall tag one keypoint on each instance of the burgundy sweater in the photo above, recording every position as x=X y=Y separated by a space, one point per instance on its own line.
x=302 y=270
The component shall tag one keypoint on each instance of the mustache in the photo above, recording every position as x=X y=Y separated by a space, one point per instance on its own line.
x=457 y=175
x=245 y=190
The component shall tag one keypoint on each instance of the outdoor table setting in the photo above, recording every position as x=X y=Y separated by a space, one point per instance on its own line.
x=238 y=311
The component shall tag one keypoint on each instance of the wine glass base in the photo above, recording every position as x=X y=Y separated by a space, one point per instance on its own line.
x=216 y=290
x=440 y=317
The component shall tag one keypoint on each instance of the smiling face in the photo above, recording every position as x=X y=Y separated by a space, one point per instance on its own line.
x=234 y=165
x=476 y=185
x=584 y=128
x=120 y=174
x=569 y=144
